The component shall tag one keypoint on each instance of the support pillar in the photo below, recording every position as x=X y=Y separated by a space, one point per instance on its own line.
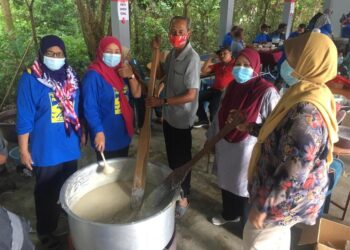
x=120 y=18
x=226 y=17
x=288 y=15
x=329 y=4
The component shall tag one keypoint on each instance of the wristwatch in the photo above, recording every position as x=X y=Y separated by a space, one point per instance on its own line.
x=131 y=77
x=165 y=102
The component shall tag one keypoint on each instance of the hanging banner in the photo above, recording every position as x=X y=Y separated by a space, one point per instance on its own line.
x=123 y=10
x=292 y=9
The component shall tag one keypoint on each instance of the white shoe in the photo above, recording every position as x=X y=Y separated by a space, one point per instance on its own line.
x=219 y=220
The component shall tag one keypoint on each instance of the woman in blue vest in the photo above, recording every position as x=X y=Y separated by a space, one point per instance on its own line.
x=106 y=88
x=48 y=129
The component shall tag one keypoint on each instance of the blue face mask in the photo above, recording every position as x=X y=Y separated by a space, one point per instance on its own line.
x=111 y=60
x=54 y=63
x=286 y=74
x=242 y=74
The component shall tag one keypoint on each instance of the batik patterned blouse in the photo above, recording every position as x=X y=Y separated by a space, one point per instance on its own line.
x=291 y=180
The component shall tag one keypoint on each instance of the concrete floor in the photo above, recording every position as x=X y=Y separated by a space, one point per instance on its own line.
x=194 y=231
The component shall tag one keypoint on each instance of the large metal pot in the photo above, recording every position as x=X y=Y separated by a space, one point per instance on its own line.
x=150 y=233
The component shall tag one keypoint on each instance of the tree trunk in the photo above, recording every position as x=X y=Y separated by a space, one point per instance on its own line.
x=109 y=29
x=30 y=4
x=266 y=4
x=6 y=10
x=186 y=10
x=92 y=21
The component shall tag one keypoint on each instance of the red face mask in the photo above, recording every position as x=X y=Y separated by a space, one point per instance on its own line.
x=178 y=41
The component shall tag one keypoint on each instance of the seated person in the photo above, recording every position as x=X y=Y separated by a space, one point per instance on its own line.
x=223 y=77
x=279 y=34
x=321 y=21
x=299 y=31
x=263 y=37
x=345 y=25
x=227 y=42
x=237 y=42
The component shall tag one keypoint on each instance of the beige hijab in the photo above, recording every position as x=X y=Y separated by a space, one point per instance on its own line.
x=313 y=56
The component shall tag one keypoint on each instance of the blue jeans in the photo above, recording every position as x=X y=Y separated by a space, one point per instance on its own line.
x=212 y=96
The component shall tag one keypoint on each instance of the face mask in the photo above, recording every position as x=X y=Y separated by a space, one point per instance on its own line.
x=111 y=60
x=242 y=74
x=340 y=60
x=54 y=63
x=178 y=41
x=286 y=74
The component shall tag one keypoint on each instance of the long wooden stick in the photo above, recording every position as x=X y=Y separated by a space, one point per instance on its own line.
x=139 y=183
x=161 y=193
x=15 y=75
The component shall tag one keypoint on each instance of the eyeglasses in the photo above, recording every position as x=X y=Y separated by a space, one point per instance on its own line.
x=53 y=54
x=224 y=53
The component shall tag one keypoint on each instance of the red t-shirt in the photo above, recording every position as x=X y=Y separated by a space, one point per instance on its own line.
x=223 y=74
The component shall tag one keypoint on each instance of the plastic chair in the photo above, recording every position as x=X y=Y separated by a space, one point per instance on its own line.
x=337 y=169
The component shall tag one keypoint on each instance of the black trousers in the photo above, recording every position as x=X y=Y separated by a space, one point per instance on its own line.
x=213 y=97
x=113 y=154
x=234 y=206
x=49 y=181
x=178 y=143
x=139 y=111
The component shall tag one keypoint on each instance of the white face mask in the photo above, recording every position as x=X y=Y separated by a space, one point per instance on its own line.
x=54 y=63
x=111 y=60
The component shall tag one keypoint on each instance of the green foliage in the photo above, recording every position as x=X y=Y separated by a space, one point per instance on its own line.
x=57 y=17
x=148 y=18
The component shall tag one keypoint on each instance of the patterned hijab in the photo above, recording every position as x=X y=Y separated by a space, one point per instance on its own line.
x=314 y=59
x=63 y=82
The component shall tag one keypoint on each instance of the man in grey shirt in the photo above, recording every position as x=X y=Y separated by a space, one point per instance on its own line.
x=182 y=70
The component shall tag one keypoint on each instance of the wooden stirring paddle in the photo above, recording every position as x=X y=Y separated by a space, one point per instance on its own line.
x=155 y=200
x=139 y=183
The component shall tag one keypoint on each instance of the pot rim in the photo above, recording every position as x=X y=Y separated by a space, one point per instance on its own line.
x=65 y=206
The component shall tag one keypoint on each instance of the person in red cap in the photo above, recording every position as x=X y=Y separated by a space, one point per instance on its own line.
x=223 y=77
